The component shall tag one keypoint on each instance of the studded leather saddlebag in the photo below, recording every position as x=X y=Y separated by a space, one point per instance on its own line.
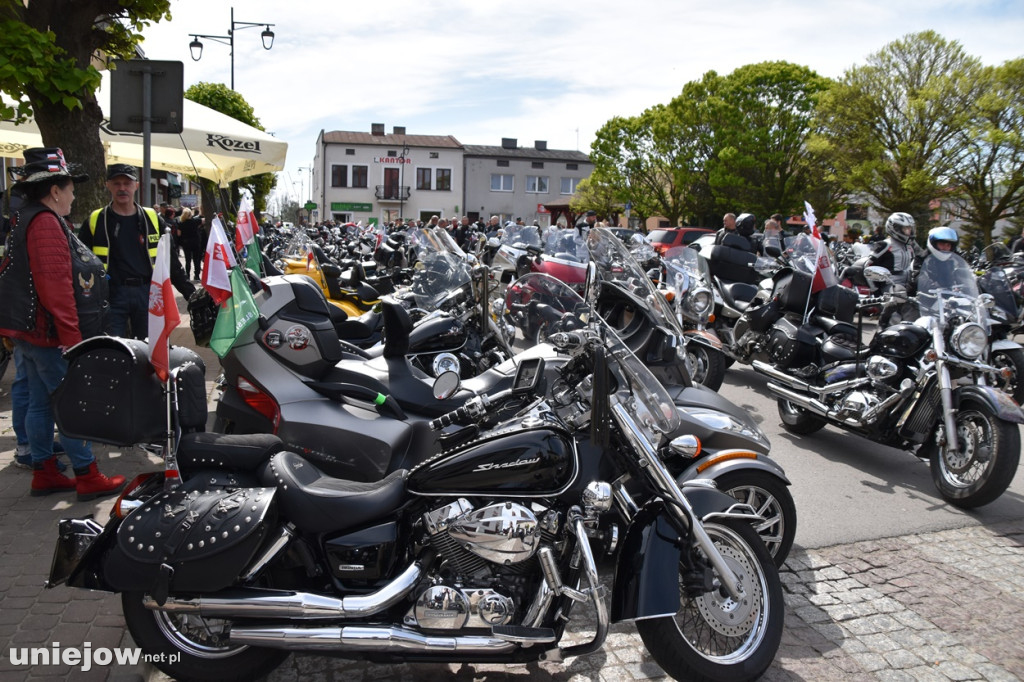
x=190 y=540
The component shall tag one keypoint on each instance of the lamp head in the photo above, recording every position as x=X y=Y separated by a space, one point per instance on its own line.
x=196 y=48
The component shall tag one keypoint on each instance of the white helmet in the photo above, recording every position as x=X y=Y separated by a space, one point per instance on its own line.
x=900 y=226
x=942 y=234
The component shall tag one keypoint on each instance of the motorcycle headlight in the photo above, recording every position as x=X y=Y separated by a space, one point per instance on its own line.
x=969 y=340
x=699 y=301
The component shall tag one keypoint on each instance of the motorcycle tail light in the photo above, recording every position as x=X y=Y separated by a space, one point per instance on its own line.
x=262 y=402
x=127 y=502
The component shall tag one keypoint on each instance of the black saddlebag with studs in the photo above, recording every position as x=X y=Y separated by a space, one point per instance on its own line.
x=190 y=540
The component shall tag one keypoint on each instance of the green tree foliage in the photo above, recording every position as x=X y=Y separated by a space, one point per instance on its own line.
x=593 y=195
x=987 y=180
x=46 y=68
x=759 y=118
x=893 y=126
x=220 y=97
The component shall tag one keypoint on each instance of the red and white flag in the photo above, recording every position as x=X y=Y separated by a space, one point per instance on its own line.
x=217 y=262
x=163 y=310
x=824 y=275
x=245 y=225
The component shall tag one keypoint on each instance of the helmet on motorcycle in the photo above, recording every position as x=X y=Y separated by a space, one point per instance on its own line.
x=746 y=223
x=942 y=241
x=900 y=226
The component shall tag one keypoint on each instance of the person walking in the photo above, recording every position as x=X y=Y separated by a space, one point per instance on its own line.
x=53 y=291
x=192 y=243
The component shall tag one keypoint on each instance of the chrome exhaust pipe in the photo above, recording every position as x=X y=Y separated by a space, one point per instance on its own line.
x=810 y=404
x=260 y=603
x=365 y=639
x=787 y=380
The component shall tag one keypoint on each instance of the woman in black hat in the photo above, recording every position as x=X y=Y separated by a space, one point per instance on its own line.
x=53 y=289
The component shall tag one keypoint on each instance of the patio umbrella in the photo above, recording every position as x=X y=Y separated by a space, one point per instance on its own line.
x=212 y=145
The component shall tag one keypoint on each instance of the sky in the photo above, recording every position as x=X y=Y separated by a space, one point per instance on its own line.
x=554 y=70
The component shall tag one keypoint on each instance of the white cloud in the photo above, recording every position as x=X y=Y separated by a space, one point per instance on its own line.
x=482 y=69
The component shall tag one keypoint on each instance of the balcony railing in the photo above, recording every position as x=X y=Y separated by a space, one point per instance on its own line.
x=392 y=192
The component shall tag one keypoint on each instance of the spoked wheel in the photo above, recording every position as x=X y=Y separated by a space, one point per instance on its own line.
x=771 y=499
x=190 y=647
x=712 y=636
x=983 y=465
x=796 y=419
x=708 y=365
x=1012 y=359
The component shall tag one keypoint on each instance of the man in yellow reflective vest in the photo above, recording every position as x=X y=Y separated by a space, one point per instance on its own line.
x=124 y=235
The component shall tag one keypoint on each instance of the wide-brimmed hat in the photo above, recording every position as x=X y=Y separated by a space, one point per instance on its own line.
x=44 y=163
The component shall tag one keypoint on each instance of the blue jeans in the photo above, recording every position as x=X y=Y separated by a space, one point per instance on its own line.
x=19 y=397
x=44 y=369
x=129 y=305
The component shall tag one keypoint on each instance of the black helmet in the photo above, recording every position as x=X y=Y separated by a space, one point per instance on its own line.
x=746 y=223
x=202 y=310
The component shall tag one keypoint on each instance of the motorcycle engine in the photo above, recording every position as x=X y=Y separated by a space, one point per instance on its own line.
x=483 y=551
x=856 y=403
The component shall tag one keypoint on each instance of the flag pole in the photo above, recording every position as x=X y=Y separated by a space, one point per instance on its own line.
x=810 y=219
x=172 y=478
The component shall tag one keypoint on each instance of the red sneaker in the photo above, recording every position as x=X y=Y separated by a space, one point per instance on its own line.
x=94 y=484
x=49 y=480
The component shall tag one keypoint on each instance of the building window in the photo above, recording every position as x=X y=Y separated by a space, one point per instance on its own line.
x=569 y=185
x=360 y=175
x=502 y=183
x=433 y=155
x=444 y=179
x=339 y=176
x=423 y=178
x=537 y=184
x=537 y=164
x=572 y=166
x=350 y=152
x=502 y=163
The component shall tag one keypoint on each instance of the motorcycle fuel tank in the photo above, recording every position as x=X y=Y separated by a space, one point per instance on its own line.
x=527 y=456
x=437 y=333
x=901 y=340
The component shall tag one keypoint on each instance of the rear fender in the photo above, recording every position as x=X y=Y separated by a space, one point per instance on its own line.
x=1001 y=404
x=647 y=568
x=1005 y=344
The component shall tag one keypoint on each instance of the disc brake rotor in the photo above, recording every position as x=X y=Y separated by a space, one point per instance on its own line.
x=724 y=614
x=971 y=448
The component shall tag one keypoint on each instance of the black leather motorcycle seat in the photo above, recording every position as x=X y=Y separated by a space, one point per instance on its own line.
x=242 y=452
x=833 y=327
x=317 y=503
x=356 y=328
x=738 y=295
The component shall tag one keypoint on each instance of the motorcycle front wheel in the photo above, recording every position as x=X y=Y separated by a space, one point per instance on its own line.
x=1014 y=360
x=770 y=498
x=983 y=465
x=189 y=647
x=708 y=365
x=713 y=637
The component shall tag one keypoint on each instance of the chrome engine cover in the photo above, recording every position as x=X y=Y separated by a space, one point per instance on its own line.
x=448 y=608
x=857 y=403
x=504 y=533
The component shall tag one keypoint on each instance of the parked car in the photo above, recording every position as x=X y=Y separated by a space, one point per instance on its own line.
x=665 y=238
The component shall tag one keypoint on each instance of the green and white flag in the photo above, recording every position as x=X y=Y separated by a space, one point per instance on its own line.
x=236 y=315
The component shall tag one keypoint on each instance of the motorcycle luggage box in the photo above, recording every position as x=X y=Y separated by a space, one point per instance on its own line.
x=301 y=334
x=111 y=394
x=205 y=537
x=793 y=289
x=790 y=346
x=838 y=302
x=733 y=265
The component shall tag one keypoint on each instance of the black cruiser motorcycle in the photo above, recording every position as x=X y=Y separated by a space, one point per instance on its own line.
x=480 y=554
x=921 y=386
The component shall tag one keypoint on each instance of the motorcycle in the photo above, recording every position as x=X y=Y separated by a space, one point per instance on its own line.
x=479 y=554
x=1000 y=279
x=920 y=386
x=685 y=280
x=511 y=247
x=303 y=256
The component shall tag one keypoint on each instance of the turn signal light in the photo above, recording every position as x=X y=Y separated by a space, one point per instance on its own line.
x=725 y=457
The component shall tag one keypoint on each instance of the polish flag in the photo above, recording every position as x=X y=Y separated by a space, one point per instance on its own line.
x=824 y=275
x=217 y=262
x=163 y=311
x=245 y=225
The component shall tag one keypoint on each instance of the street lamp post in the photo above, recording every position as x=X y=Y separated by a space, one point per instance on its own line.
x=310 y=169
x=196 y=47
x=401 y=183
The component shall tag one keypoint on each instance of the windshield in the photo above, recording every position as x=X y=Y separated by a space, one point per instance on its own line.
x=567 y=245
x=521 y=236
x=940 y=281
x=802 y=252
x=997 y=252
x=662 y=236
x=566 y=311
x=686 y=269
x=439 y=271
x=616 y=266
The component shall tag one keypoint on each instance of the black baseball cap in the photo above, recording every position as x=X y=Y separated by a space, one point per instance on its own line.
x=125 y=169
